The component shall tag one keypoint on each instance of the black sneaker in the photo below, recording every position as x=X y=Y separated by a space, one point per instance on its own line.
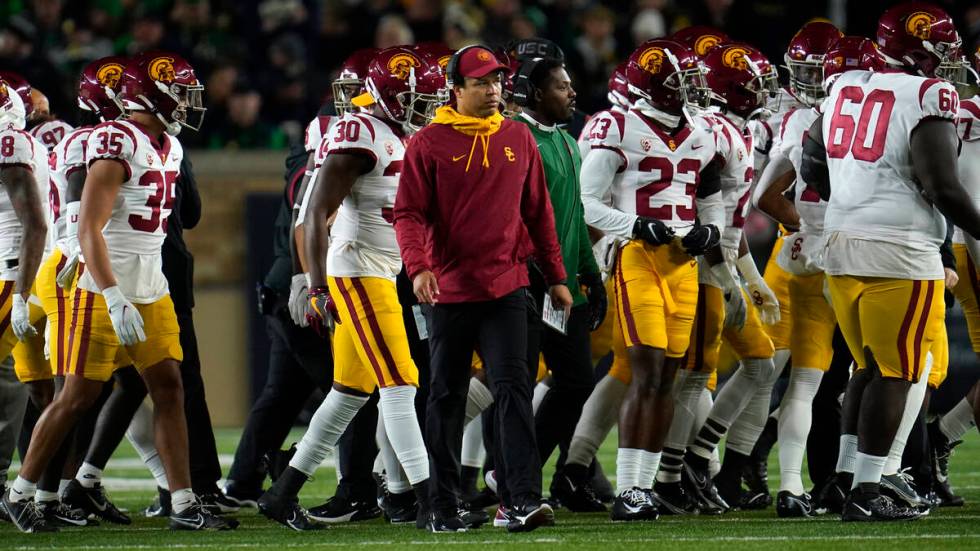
x=601 y=486
x=755 y=474
x=862 y=507
x=730 y=489
x=789 y=505
x=197 y=517
x=276 y=461
x=438 y=524
x=897 y=486
x=93 y=501
x=530 y=516
x=288 y=513
x=241 y=496
x=704 y=490
x=834 y=494
x=160 y=508
x=633 y=504
x=578 y=498
x=672 y=499
x=57 y=513
x=26 y=516
x=218 y=503
x=474 y=519
x=340 y=509
x=399 y=508
x=940 y=451
x=3 y=512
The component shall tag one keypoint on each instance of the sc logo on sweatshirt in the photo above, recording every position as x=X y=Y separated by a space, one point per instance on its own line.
x=510 y=154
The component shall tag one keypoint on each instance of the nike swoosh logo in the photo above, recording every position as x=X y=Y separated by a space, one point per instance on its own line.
x=862 y=509
x=96 y=504
x=196 y=523
x=455 y=158
x=696 y=147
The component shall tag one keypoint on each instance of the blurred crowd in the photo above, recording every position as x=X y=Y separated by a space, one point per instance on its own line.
x=267 y=64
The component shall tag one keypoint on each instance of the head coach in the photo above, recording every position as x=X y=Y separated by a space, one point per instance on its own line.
x=472 y=207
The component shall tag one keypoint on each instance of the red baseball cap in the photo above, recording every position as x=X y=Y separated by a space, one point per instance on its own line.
x=479 y=62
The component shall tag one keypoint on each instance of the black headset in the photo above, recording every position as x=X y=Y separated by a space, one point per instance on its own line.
x=452 y=68
x=524 y=89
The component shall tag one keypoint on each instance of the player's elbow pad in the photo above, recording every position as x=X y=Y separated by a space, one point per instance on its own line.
x=813 y=169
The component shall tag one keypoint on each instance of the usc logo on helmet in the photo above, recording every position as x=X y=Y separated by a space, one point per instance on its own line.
x=919 y=25
x=400 y=65
x=162 y=69
x=443 y=61
x=735 y=58
x=705 y=43
x=108 y=74
x=652 y=60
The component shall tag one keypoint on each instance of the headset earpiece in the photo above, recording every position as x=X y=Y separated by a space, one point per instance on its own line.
x=524 y=90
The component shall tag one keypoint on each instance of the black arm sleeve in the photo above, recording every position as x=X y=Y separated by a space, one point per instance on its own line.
x=946 y=249
x=190 y=201
x=813 y=170
x=710 y=180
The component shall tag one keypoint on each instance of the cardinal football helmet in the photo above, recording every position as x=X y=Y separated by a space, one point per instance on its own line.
x=850 y=53
x=666 y=75
x=406 y=86
x=164 y=84
x=350 y=82
x=919 y=37
x=804 y=60
x=99 y=85
x=741 y=79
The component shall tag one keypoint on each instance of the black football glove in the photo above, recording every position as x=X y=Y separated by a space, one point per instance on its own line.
x=700 y=239
x=652 y=231
x=595 y=292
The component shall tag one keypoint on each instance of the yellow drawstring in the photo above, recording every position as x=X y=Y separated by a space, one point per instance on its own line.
x=485 y=139
x=479 y=128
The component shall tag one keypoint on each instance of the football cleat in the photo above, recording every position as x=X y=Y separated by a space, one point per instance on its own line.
x=26 y=516
x=57 y=513
x=730 y=489
x=160 y=506
x=438 y=524
x=578 y=498
x=502 y=518
x=789 y=505
x=218 y=503
x=339 y=509
x=530 y=516
x=287 y=512
x=633 y=504
x=474 y=519
x=672 y=499
x=93 y=501
x=399 y=508
x=197 y=517
x=940 y=451
x=704 y=490
x=239 y=496
x=834 y=493
x=3 y=512
x=897 y=486
x=862 y=507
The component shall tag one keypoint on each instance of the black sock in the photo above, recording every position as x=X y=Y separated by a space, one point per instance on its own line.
x=289 y=484
x=422 y=494
x=732 y=464
x=579 y=474
x=696 y=461
x=869 y=488
x=467 y=480
x=766 y=440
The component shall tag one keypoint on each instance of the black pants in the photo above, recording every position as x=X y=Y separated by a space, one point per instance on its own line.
x=205 y=468
x=299 y=363
x=569 y=358
x=823 y=442
x=499 y=328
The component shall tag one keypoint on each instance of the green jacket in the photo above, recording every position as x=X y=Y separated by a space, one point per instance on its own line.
x=562 y=167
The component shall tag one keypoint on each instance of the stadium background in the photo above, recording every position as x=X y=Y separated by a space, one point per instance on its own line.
x=267 y=66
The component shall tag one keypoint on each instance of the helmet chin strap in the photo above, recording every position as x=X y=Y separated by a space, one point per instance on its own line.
x=170 y=127
x=666 y=119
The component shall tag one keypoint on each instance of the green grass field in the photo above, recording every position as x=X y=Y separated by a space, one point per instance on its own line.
x=130 y=487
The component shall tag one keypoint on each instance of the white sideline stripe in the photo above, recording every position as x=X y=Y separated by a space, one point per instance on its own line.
x=464 y=541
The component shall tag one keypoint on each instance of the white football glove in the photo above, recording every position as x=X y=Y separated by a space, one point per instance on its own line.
x=299 y=304
x=735 y=308
x=20 y=319
x=126 y=319
x=66 y=276
x=762 y=296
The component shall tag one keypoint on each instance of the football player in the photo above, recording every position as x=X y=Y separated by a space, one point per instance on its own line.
x=666 y=205
x=122 y=300
x=358 y=180
x=44 y=126
x=881 y=154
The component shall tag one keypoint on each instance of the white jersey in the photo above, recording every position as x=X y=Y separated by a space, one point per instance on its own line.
x=648 y=171
x=21 y=149
x=50 y=133
x=765 y=133
x=362 y=238
x=736 y=150
x=878 y=222
x=137 y=226
x=67 y=157
x=599 y=122
x=314 y=143
x=968 y=128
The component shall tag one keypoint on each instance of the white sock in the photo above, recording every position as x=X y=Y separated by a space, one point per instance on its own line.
x=181 y=500
x=478 y=399
x=88 y=475
x=629 y=464
x=474 y=454
x=867 y=469
x=650 y=465
x=22 y=490
x=745 y=431
x=701 y=411
x=599 y=414
x=62 y=485
x=404 y=432
x=848 y=451
x=794 y=426
x=913 y=406
x=326 y=427
x=395 y=476
x=958 y=421
x=540 y=391
x=714 y=464
x=44 y=496
x=140 y=435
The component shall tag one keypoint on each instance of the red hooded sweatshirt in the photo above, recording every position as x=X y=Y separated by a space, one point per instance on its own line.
x=472 y=207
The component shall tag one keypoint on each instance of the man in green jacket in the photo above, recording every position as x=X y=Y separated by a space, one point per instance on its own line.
x=543 y=89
